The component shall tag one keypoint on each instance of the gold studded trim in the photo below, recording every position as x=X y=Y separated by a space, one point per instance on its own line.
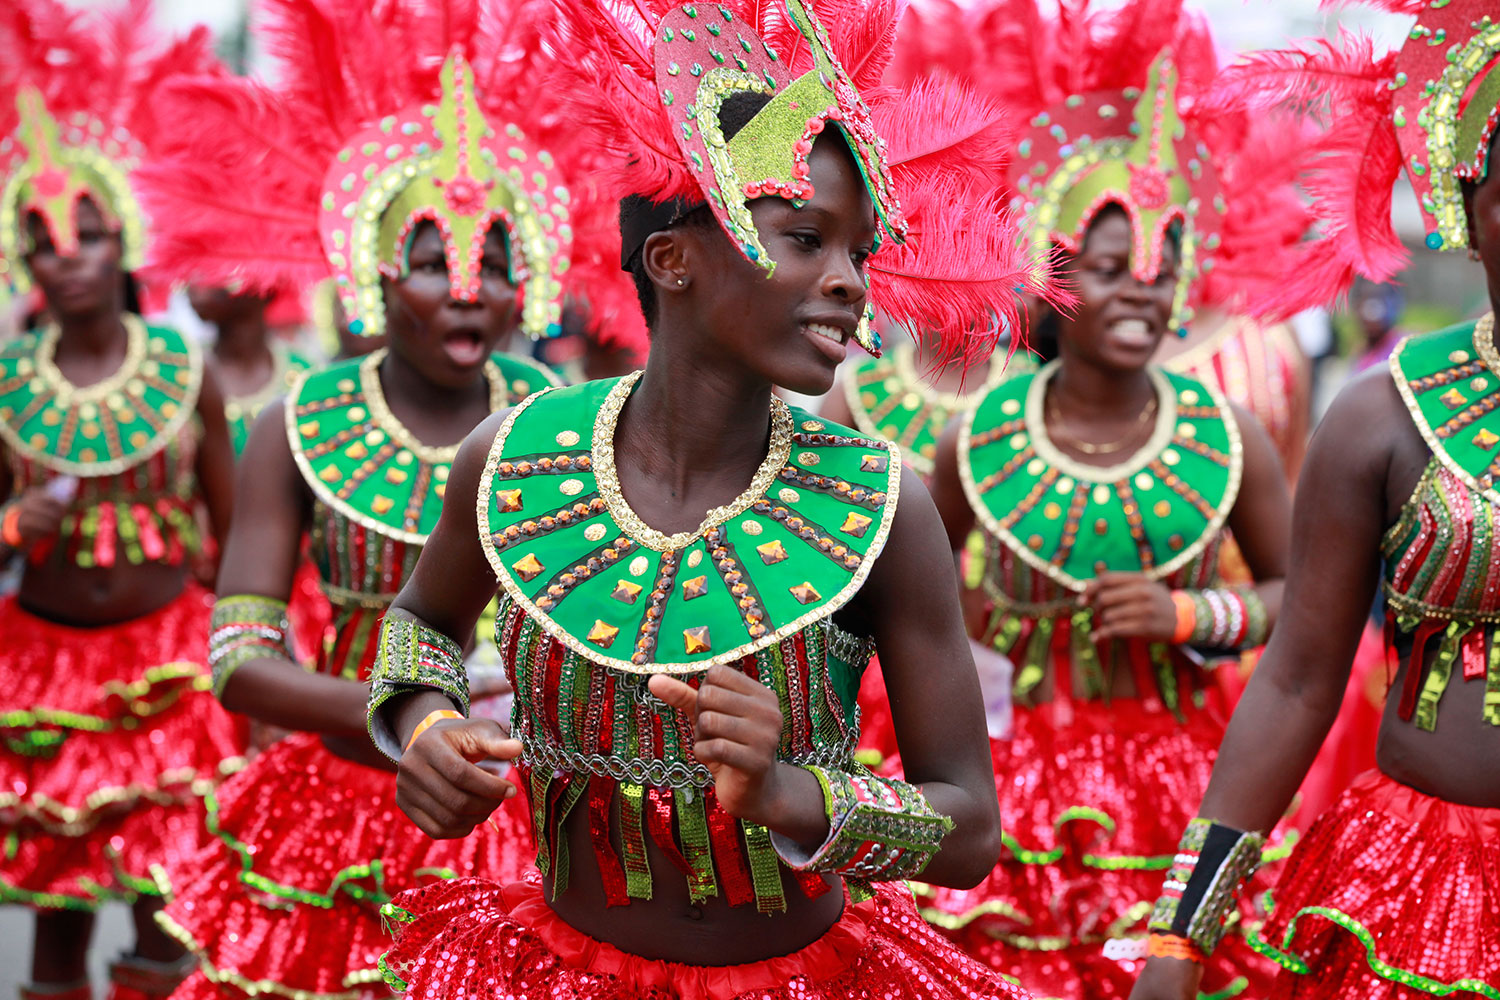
x=577 y=645
x=1036 y=430
x=1484 y=347
x=608 y=479
x=137 y=352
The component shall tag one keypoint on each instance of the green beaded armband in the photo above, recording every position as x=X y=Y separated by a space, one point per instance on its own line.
x=879 y=829
x=246 y=627
x=412 y=657
x=1213 y=862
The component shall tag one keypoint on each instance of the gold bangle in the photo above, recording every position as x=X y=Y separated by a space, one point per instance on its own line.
x=433 y=717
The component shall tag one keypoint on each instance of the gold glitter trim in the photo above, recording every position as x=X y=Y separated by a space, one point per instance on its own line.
x=1485 y=345
x=1167 y=414
x=1161 y=434
x=136 y=350
x=607 y=477
x=823 y=611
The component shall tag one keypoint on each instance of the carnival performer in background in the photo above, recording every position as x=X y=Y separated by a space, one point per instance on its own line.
x=1392 y=893
x=1104 y=487
x=685 y=681
x=112 y=435
x=390 y=169
x=252 y=367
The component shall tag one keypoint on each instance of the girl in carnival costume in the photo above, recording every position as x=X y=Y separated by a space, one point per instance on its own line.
x=112 y=435
x=685 y=716
x=1392 y=894
x=1104 y=487
x=399 y=155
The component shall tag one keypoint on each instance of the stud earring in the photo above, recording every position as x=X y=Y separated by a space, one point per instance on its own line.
x=681 y=282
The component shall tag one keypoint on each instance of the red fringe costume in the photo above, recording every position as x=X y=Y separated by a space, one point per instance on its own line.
x=105 y=765
x=108 y=735
x=306 y=846
x=879 y=948
x=948 y=258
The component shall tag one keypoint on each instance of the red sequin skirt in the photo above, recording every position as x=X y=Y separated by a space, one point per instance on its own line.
x=477 y=938
x=1093 y=802
x=1393 y=895
x=108 y=739
x=307 y=846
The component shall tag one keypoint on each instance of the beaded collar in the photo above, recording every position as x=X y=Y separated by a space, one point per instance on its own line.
x=110 y=426
x=890 y=399
x=1151 y=513
x=1450 y=382
x=241 y=411
x=362 y=462
x=566 y=546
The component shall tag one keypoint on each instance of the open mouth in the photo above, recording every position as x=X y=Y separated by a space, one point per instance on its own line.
x=1132 y=333
x=465 y=348
x=830 y=339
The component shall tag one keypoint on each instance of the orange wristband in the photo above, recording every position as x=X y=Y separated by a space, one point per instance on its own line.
x=10 y=526
x=1187 y=617
x=1172 y=946
x=432 y=717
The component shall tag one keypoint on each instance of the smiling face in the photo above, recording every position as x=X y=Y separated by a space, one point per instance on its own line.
x=1120 y=320
x=790 y=328
x=447 y=340
x=84 y=283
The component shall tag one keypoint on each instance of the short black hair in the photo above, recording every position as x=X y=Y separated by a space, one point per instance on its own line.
x=735 y=113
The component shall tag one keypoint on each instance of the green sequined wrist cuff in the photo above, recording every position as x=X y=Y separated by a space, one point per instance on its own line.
x=1203 y=885
x=246 y=627
x=412 y=657
x=879 y=829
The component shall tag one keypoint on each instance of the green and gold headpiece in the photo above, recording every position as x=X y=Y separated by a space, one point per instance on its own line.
x=1446 y=106
x=1129 y=148
x=51 y=165
x=445 y=163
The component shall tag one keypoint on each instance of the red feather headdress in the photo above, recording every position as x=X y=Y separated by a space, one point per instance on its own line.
x=646 y=77
x=386 y=115
x=78 y=109
x=1431 y=107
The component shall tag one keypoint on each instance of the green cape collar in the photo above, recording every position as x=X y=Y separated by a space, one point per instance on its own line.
x=1450 y=382
x=358 y=458
x=788 y=552
x=110 y=426
x=1151 y=513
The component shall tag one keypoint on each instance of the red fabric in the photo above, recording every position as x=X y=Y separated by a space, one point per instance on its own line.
x=310 y=613
x=1046 y=922
x=304 y=818
x=1421 y=875
x=120 y=791
x=479 y=938
x=877 y=732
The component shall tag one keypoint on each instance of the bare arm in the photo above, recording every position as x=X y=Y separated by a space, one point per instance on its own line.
x=261 y=558
x=1296 y=690
x=215 y=463
x=910 y=605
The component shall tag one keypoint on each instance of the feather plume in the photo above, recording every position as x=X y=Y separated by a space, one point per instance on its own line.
x=864 y=43
x=941 y=125
x=1335 y=77
x=958 y=276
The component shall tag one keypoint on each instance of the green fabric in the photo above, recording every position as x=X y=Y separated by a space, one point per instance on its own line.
x=354 y=464
x=1074 y=522
x=541 y=466
x=1444 y=383
x=104 y=429
x=241 y=411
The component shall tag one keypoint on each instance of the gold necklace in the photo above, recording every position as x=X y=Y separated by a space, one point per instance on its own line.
x=607 y=477
x=1108 y=448
x=381 y=415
